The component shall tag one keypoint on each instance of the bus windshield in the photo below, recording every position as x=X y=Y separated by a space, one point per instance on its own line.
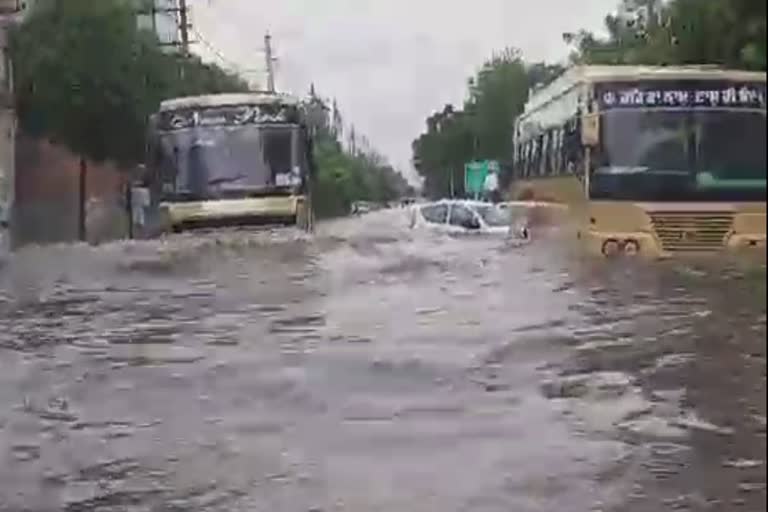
x=681 y=155
x=211 y=162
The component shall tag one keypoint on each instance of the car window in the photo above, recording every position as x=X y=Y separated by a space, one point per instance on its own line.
x=435 y=214
x=461 y=215
x=493 y=216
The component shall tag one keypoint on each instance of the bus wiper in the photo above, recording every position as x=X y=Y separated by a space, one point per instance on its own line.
x=228 y=179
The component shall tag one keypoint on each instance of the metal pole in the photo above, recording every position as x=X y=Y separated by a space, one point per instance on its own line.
x=81 y=209
x=129 y=208
x=270 y=59
x=184 y=26
x=153 y=13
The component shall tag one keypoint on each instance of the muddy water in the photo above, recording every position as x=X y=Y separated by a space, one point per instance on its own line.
x=370 y=369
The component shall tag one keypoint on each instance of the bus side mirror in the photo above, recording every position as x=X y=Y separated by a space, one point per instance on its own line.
x=590 y=130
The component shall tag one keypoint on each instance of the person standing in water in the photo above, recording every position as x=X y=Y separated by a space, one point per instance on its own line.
x=491 y=187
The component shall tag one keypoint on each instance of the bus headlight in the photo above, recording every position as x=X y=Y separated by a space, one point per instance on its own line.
x=611 y=248
x=631 y=247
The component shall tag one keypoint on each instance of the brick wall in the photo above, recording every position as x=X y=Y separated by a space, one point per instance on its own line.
x=47 y=195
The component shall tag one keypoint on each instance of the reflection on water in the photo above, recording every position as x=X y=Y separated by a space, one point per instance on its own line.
x=372 y=369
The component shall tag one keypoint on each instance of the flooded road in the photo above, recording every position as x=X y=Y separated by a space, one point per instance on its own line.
x=371 y=370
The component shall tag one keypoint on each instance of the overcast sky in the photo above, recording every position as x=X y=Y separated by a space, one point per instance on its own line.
x=390 y=63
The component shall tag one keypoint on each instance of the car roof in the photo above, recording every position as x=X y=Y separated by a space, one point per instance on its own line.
x=465 y=202
x=505 y=204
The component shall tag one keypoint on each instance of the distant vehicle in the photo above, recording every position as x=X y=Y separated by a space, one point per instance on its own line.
x=461 y=216
x=361 y=207
x=225 y=160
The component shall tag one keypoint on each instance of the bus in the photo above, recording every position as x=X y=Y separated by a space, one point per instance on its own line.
x=657 y=161
x=225 y=160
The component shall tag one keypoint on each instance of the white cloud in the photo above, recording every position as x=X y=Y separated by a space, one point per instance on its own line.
x=390 y=63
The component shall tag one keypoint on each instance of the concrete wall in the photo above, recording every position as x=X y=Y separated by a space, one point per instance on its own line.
x=47 y=196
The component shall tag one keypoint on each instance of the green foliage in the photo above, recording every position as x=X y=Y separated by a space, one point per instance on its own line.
x=728 y=33
x=87 y=77
x=344 y=176
x=670 y=32
x=483 y=128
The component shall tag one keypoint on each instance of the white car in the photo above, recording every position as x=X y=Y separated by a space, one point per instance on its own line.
x=361 y=207
x=460 y=216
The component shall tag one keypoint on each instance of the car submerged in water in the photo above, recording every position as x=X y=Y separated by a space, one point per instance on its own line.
x=463 y=216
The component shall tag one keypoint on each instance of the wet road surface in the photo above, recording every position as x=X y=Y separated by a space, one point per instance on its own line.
x=369 y=369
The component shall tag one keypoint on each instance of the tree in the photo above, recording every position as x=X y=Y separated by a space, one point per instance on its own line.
x=497 y=95
x=482 y=129
x=87 y=77
x=346 y=175
x=541 y=74
x=654 y=32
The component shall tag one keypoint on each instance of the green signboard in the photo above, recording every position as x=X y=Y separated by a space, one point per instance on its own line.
x=475 y=174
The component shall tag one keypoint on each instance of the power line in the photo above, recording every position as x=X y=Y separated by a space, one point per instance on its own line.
x=180 y=12
x=219 y=55
x=216 y=52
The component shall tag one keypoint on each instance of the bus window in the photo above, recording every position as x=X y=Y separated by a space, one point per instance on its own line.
x=198 y=172
x=278 y=151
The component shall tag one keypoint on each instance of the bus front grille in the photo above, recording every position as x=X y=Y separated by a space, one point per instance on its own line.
x=692 y=231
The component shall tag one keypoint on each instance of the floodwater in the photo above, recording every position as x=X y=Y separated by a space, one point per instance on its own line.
x=372 y=369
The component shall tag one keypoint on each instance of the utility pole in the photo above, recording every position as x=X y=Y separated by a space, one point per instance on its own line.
x=177 y=15
x=270 y=62
x=153 y=20
x=184 y=26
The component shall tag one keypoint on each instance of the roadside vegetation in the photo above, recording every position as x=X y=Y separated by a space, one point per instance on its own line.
x=654 y=32
x=348 y=169
x=87 y=77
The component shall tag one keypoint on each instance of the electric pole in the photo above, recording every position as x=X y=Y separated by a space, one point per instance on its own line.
x=270 y=63
x=163 y=17
x=184 y=26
